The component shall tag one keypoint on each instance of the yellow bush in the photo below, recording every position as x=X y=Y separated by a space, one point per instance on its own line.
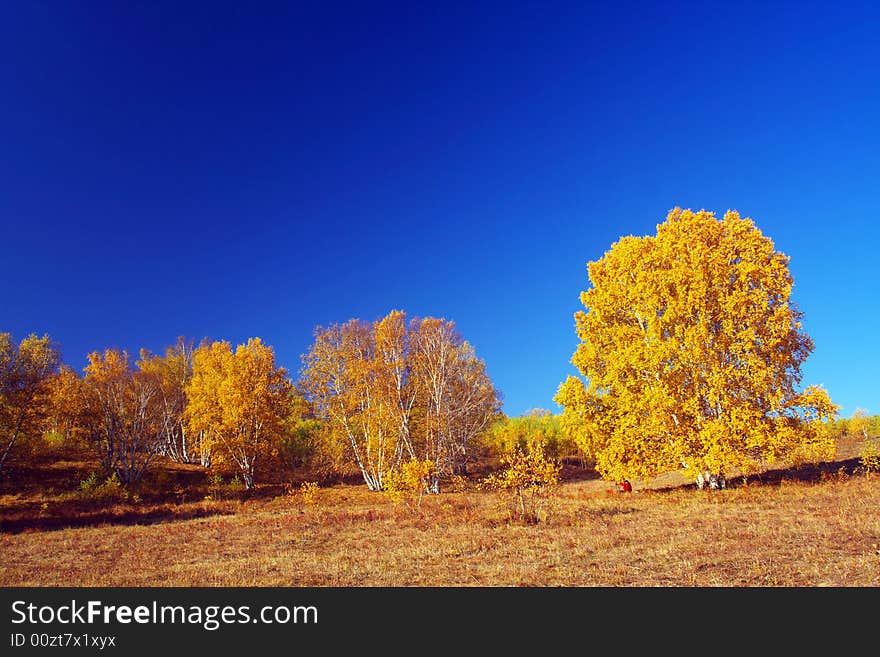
x=308 y=491
x=870 y=456
x=526 y=483
x=408 y=482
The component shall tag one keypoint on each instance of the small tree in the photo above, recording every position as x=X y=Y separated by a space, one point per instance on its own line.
x=858 y=424
x=869 y=457
x=409 y=482
x=526 y=482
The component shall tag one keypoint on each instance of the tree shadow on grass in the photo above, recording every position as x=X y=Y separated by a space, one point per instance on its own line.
x=573 y=472
x=69 y=516
x=607 y=512
x=806 y=473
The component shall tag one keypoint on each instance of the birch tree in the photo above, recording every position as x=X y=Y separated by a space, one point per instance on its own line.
x=691 y=351
x=399 y=391
x=24 y=370
x=238 y=400
x=116 y=408
x=343 y=379
x=173 y=372
x=458 y=400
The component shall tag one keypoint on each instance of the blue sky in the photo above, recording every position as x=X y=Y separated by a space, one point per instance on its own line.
x=234 y=170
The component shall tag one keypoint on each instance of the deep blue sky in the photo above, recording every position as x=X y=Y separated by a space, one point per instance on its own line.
x=243 y=169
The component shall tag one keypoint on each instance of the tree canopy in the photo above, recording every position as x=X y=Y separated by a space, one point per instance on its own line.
x=24 y=368
x=395 y=391
x=239 y=400
x=691 y=351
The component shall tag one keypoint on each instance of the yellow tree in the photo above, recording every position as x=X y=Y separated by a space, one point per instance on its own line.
x=396 y=394
x=457 y=400
x=351 y=385
x=173 y=372
x=397 y=390
x=238 y=400
x=858 y=424
x=67 y=411
x=691 y=349
x=120 y=412
x=24 y=369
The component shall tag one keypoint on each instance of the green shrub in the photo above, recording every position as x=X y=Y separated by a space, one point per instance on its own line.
x=111 y=489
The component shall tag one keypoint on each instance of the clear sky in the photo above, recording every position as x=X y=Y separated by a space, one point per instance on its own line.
x=246 y=169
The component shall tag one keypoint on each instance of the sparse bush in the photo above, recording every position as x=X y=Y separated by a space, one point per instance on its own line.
x=870 y=456
x=110 y=489
x=527 y=483
x=89 y=484
x=308 y=492
x=409 y=482
x=215 y=486
x=458 y=484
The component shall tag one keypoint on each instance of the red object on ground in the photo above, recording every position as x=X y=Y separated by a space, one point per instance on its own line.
x=624 y=486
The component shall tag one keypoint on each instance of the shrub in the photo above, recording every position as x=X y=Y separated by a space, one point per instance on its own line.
x=527 y=482
x=88 y=485
x=870 y=456
x=308 y=491
x=110 y=489
x=409 y=482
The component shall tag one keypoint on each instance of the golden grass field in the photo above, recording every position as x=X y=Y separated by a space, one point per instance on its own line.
x=813 y=526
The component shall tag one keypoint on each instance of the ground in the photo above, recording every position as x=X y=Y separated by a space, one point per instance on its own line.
x=811 y=526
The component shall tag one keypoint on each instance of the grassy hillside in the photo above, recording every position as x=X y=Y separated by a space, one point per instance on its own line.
x=813 y=526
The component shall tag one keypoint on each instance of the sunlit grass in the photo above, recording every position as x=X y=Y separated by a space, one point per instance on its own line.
x=789 y=532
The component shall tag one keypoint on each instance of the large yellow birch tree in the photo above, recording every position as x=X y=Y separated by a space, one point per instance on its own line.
x=691 y=351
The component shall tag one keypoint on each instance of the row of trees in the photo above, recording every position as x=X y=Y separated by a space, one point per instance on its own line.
x=193 y=404
x=859 y=425
x=375 y=394
x=690 y=350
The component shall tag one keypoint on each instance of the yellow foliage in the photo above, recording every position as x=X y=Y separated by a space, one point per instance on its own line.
x=408 y=482
x=396 y=389
x=238 y=400
x=691 y=348
x=527 y=481
x=870 y=456
x=537 y=425
x=25 y=369
x=115 y=408
x=308 y=491
x=858 y=424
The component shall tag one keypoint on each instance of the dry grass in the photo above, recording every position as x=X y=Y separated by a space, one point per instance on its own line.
x=816 y=526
